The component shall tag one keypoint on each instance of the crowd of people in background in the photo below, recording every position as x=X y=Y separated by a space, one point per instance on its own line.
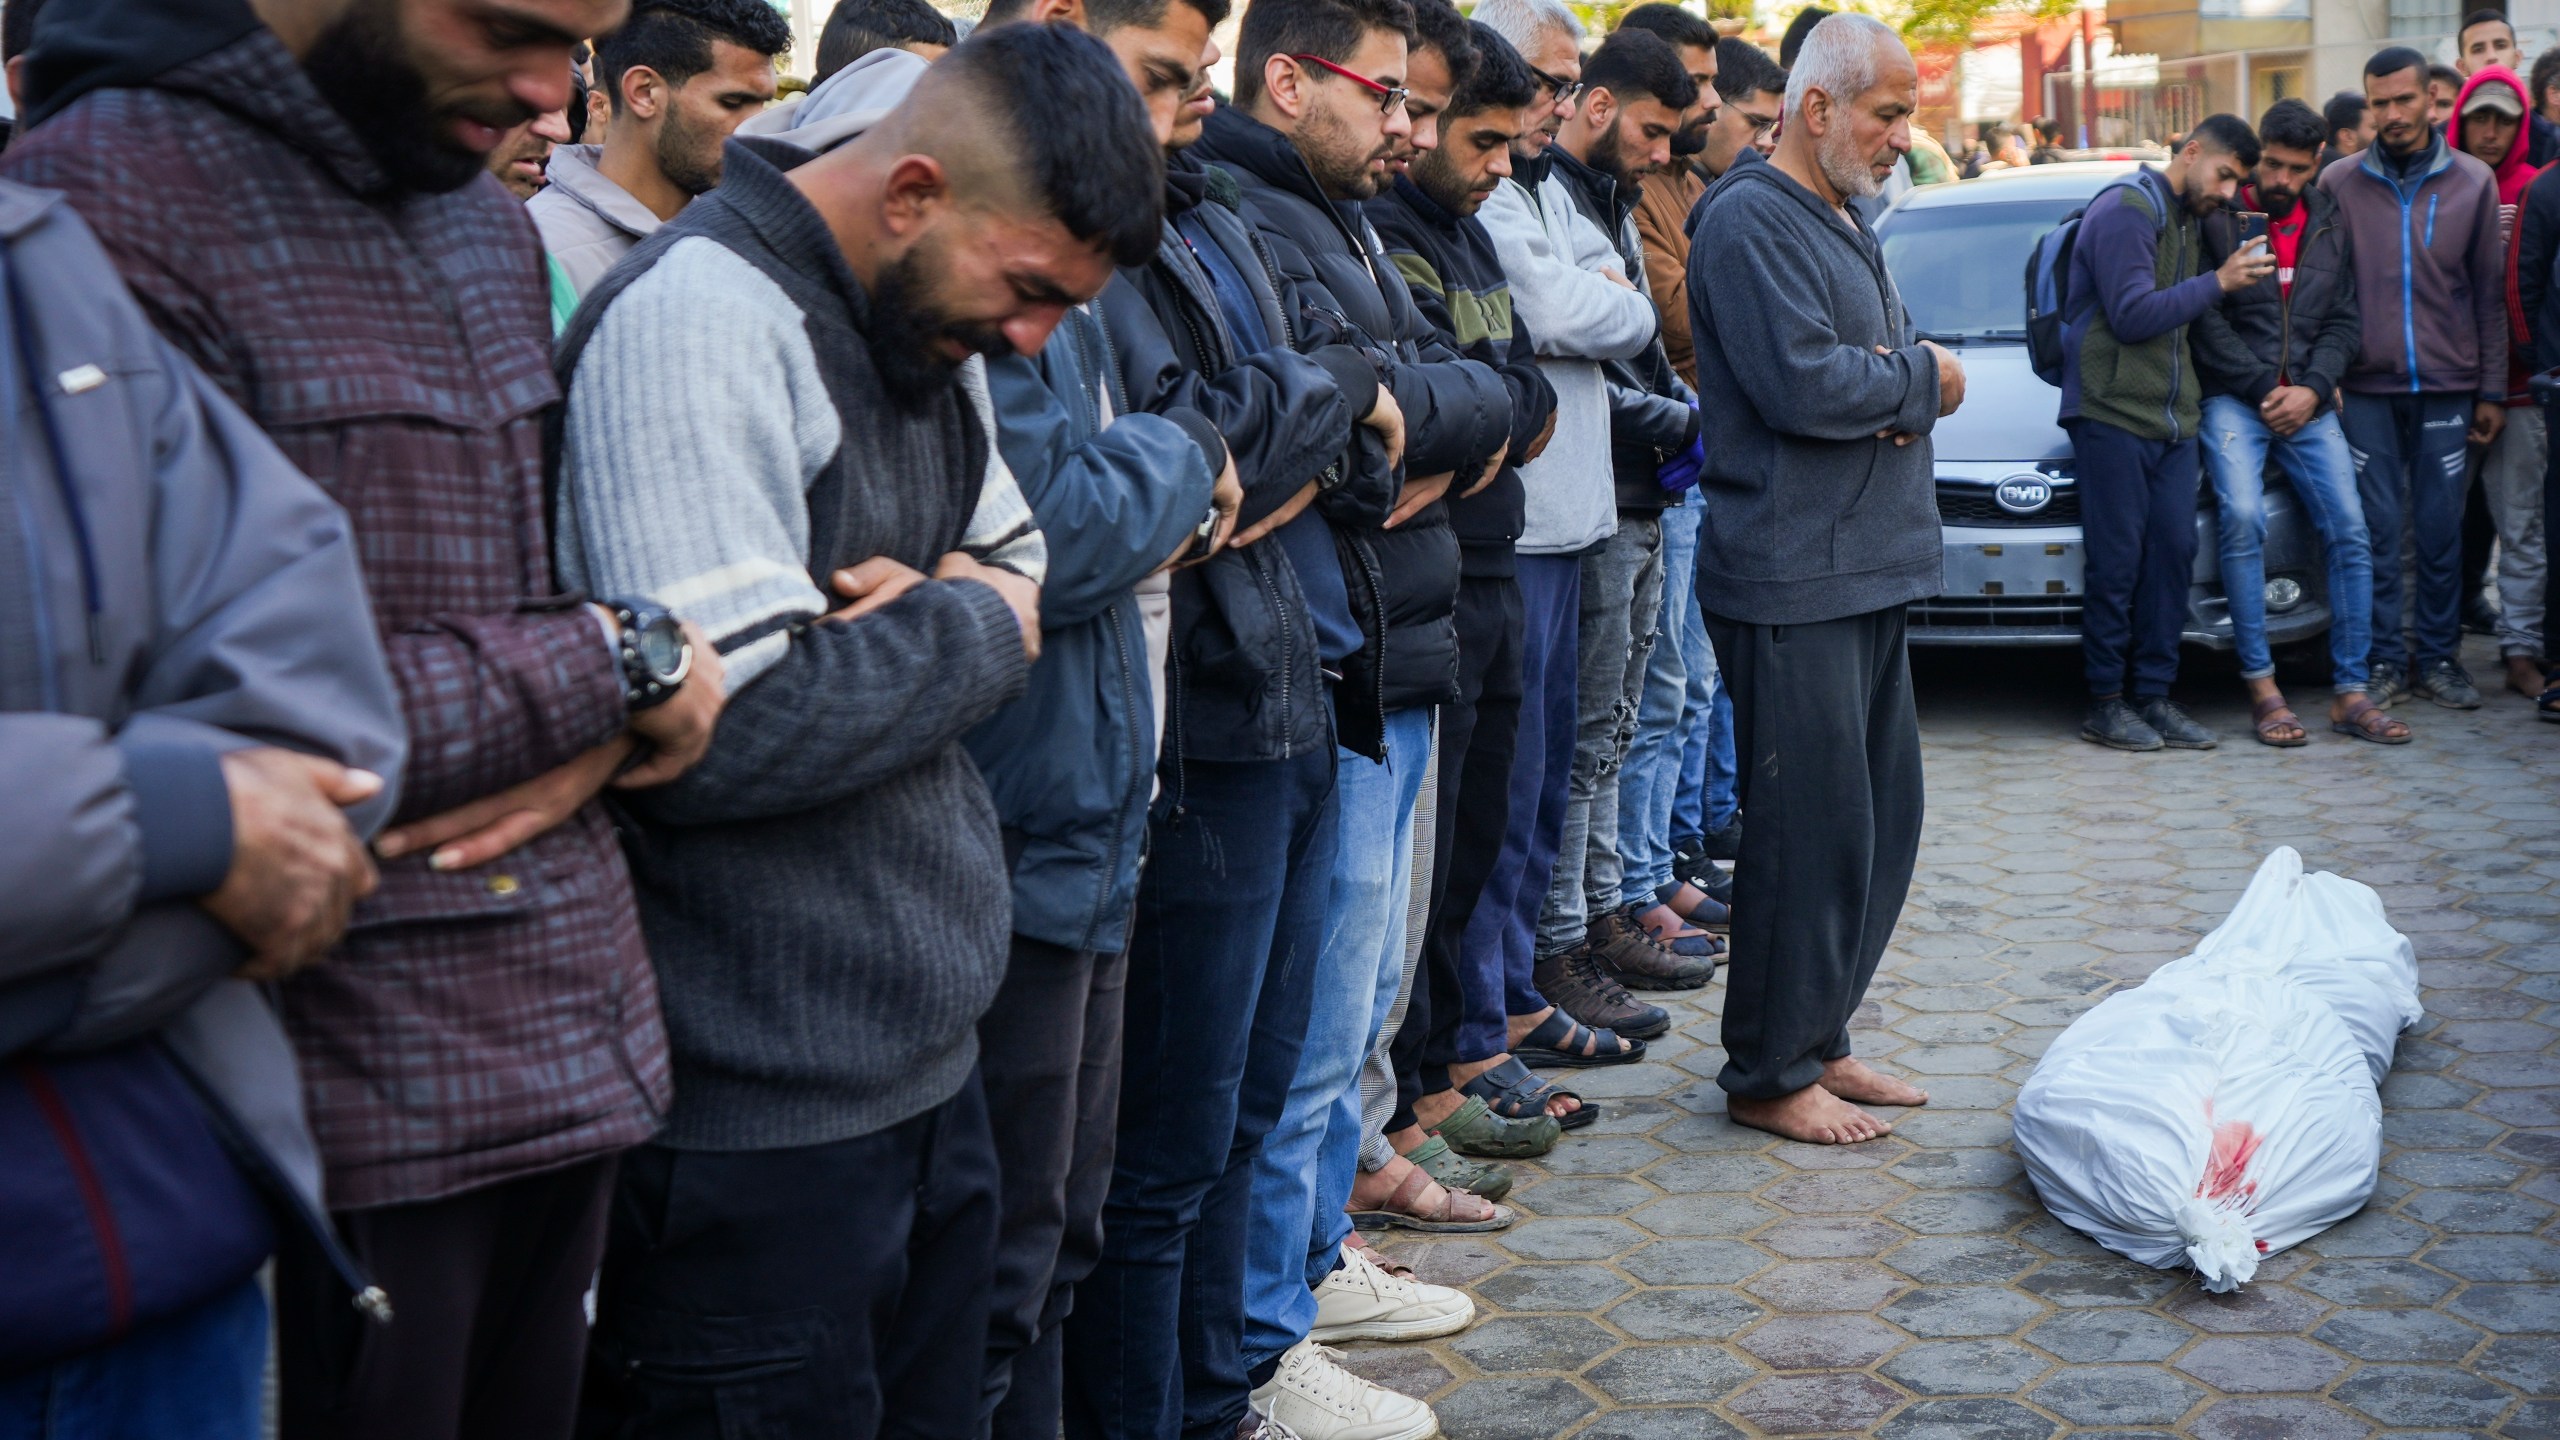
x=893 y=763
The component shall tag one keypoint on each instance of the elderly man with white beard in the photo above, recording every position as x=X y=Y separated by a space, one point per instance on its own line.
x=1821 y=525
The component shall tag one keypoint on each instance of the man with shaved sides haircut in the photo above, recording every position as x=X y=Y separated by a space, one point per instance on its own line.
x=808 y=481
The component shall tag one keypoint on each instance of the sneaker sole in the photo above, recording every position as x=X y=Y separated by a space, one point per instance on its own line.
x=1648 y=982
x=2471 y=704
x=1427 y=1428
x=1394 y=1330
x=2094 y=738
x=2168 y=744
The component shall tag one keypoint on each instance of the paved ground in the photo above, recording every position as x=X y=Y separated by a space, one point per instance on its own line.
x=1675 y=1275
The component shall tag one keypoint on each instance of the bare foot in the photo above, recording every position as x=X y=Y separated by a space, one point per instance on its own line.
x=1850 y=1079
x=1439 y=1105
x=2524 y=676
x=1422 y=1198
x=1813 y=1115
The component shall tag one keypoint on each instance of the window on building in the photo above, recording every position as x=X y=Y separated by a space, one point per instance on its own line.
x=2425 y=17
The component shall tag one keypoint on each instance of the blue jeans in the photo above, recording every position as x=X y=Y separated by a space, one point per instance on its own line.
x=194 y=1376
x=2316 y=460
x=2138 y=530
x=1649 y=782
x=2412 y=471
x=1708 y=785
x=1293 y=1234
x=1505 y=921
x=1222 y=958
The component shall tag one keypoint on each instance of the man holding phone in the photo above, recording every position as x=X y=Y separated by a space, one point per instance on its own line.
x=2135 y=288
x=2271 y=356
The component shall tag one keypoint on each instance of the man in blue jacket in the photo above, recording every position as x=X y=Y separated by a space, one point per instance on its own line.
x=2133 y=405
x=193 y=710
x=1122 y=496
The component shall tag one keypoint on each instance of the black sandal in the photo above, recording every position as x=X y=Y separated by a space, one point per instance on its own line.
x=1510 y=1091
x=1558 y=1041
x=2368 y=722
x=2548 y=707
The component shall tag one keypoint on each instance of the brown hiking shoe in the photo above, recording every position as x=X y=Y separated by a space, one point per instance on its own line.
x=1630 y=955
x=1575 y=983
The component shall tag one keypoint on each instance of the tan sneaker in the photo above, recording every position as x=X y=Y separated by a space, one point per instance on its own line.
x=1316 y=1398
x=1360 y=1301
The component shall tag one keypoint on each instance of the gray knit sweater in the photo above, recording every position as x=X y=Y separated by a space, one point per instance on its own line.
x=823 y=894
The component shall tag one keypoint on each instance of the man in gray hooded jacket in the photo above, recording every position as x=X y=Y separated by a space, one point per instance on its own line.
x=1821 y=527
x=195 y=720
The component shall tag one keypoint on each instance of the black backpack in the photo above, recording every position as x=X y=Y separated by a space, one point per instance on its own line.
x=2049 y=288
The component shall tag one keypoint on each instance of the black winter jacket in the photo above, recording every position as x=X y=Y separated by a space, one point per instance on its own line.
x=1403 y=582
x=2310 y=335
x=1243 y=681
x=2537 y=252
x=1653 y=414
x=1459 y=288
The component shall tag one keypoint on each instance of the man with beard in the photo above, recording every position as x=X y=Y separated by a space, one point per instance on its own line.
x=1322 y=107
x=1570 y=289
x=1821 y=526
x=284 y=188
x=2430 y=372
x=679 y=76
x=523 y=157
x=1634 y=95
x=2271 y=356
x=1426 y=220
x=2133 y=290
x=810 y=482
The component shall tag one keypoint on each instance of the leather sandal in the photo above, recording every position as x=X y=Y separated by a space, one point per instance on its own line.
x=1557 y=1040
x=1474 y=1129
x=1452 y=1216
x=2271 y=715
x=1513 y=1092
x=2367 y=721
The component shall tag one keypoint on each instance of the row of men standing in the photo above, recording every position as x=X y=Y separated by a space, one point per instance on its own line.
x=878 y=421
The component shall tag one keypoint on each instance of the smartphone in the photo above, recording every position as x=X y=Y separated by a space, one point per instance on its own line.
x=2253 y=228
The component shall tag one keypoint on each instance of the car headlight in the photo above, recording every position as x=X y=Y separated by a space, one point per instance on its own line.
x=2283 y=593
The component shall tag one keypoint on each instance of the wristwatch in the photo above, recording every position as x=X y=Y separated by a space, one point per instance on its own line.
x=655 y=655
x=1202 y=537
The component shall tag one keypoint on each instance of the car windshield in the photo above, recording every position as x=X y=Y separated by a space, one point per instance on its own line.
x=1962 y=268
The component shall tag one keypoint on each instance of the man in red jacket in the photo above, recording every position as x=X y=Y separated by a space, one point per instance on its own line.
x=298 y=197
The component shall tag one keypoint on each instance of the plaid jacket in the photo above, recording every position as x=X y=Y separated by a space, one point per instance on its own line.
x=477 y=1025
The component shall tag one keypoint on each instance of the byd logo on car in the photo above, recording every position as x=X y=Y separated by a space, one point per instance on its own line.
x=2023 y=494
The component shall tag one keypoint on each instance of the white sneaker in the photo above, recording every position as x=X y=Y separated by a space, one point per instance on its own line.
x=1315 y=1397
x=1360 y=1301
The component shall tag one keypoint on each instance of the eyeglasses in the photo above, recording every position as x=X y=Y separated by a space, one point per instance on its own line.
x=1565 y=89
x=1759 y=126
x=1390 y=97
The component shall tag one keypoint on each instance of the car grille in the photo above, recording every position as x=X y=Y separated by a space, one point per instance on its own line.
x=2005 y=612
x=1973 y=505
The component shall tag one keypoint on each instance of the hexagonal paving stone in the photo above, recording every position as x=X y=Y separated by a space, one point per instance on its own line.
x=1693 y=1262
x=1705 y=1215
x=2530 y=1364
x=1965 y=1367
x=1805 y=1404
x=2374 y=1282
x=2398 y=1335
x=2411 y=1395
x=1687 y=1314
x=1822 y=1239
x=2260 y=1365
x=1584 y=1195
x=2497 y=1258
x=1512 y=1409
x=1570 y=1239
x=2477 y=1210
x=2116 y=1395
x=1962 y=1259
x=1695 y=1174
x=1669 y=1374
x=1949 y=1311
x=1684 y=1423
x=2510 y=1309
x=2101 y=1336
x=1964 y=1212
x=1836 y=1193
x=2102 y=1280
x=1825 y=1285
x=1534 y=1342
x=1967 y=1420
x=1553 y=1287
x=2286 y=1419
x=2256 y=1309
x=1405 y=1369
x=1820 y=1342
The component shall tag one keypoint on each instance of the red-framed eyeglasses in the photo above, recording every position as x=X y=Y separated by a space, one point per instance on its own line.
x=1391 y=98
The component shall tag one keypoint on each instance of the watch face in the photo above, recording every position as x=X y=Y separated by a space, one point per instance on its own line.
x=662 y=645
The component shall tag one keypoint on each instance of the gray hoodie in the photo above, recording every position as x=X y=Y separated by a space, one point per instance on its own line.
x=587 y=221
x=172 y=588
x=1809 y=516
